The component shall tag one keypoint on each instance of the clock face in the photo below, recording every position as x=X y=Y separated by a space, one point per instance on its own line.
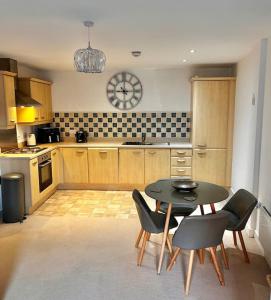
x=124 y=91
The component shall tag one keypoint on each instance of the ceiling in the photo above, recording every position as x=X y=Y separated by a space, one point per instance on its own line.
x=45 y=34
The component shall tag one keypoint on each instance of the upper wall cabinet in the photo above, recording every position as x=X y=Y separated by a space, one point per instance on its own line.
x=39 y=90
x=213 y=104
x=7 y=100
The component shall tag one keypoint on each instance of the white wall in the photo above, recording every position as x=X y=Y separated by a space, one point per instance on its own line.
x=245 y=121
x=163 y=90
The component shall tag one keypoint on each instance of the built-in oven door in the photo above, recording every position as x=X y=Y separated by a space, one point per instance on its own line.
x=45 y=174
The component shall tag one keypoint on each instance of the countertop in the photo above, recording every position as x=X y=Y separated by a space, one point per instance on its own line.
x=96 y=144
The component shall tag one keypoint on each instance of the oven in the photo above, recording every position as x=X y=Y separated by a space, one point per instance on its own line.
x=45 y=171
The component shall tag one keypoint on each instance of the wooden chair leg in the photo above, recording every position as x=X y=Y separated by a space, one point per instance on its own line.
x=234 y=238
x=142 y=250
x=139 y=237
x=149 y=236
x=201 y=209
x=224 y=255
x=189 y=273
x=217 y=269
x=243 y=247
x=173 y=259
x=213 y=208
x=169 y=246
x=201 y=255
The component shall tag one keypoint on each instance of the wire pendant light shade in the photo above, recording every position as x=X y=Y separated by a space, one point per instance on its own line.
x=89 y=60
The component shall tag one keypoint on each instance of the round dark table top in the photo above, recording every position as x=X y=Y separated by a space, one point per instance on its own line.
x=205 y=193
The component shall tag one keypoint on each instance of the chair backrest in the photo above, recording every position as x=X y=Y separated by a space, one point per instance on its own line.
x=196 y=232
x=241 y=205
x=144 y=212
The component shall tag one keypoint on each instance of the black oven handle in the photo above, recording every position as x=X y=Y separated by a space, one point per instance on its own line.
x=48 y=162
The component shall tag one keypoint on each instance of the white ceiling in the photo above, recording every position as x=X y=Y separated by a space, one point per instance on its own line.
x=45 y=34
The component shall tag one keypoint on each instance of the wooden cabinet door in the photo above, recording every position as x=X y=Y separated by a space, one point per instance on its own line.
x=37 y=90
x=210 y=165
x=75 y=165
x=157 y=164
x=103 y=165
x=55 y=167
x=212 y=105
x=131 y=166
x=34 y=180
x=48 y=102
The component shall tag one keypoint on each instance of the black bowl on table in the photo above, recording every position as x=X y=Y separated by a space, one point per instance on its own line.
x=184 y=185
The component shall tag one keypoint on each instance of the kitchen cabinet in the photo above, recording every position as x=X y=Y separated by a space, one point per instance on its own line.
x=213 y=114
x=34 y=181
x=210 y=165
x=75 y=165
x=103 y=165
x=7 y=100
x=39 y=90
x=157 y=164
x=181 y=163
x=131 y=167
x=55 y=157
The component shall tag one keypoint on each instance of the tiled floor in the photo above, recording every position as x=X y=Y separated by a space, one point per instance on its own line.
x=86 y=203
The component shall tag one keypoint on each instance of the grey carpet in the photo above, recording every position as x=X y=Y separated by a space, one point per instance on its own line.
x=82 y=258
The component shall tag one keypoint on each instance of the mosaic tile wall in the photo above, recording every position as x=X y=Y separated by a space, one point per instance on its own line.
x=125 y=125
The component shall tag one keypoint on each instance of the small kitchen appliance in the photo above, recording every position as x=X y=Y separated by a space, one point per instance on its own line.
x=48 y=135
x=31 y=140
x=81 y=136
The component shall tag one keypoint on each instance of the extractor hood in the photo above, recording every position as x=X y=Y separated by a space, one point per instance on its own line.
x=25 y=100
x=8 y=64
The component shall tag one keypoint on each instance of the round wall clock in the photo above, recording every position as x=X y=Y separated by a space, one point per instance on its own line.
x=124 y=91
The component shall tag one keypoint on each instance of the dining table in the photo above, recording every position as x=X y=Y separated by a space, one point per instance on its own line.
x=204 y=194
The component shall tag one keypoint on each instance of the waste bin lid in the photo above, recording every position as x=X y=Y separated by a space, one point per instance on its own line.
x=12 y=176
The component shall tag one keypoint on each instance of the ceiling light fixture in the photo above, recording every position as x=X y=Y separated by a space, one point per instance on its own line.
x=89 y=60
x=136 y=53
x=184 y=60
x=192 y=51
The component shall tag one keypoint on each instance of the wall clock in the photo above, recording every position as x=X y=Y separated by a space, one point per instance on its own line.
x=124 y=91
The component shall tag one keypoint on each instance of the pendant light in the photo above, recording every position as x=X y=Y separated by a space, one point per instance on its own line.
x=89 y=60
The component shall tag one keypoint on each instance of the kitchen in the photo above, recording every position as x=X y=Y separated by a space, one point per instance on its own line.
x=94 y=138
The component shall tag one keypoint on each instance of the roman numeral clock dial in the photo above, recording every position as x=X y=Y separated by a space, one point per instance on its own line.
x=124 y=91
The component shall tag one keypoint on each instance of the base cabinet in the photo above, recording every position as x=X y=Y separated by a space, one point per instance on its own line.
x=55 y=167
x=75 y=165
x=210 y=165
x=103 y=165
x=34 y=180
x=157 y=164
x=131 y=167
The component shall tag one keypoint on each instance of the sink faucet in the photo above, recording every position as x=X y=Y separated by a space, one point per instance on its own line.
x=143 y=137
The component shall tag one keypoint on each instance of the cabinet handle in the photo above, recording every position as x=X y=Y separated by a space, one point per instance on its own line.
x=180 y=171
x=36 y=118
x=202 y=145
x=181 y=152
x=54 y=153
x=152 y=152
x=80 y=151
x=12 y=121
x=103 y=151
x=181 y=160
x=34 y=163
x=201 y=153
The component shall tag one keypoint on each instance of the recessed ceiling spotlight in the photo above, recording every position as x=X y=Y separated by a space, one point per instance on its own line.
x=136 y=53
x=192 y=51
x=184 y=60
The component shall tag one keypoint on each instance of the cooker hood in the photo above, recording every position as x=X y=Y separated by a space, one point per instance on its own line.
x=10 y=65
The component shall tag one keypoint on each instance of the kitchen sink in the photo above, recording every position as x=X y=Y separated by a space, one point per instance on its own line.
x=136 y=143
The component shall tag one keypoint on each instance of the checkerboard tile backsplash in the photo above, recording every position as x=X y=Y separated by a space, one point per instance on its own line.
x=125 y=125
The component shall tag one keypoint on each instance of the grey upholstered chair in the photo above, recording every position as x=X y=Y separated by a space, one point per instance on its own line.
x=151 y=222
x=240 y=207
x=199 y=232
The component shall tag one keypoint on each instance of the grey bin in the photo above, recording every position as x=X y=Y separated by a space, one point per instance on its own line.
x=13 y=199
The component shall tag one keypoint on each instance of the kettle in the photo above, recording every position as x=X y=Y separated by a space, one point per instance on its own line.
x=81 y=136
x=31 y=140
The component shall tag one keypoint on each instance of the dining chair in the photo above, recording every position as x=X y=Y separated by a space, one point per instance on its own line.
x=200 y=232
x=240 y=208
x=152 y=222
x=178 y=210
